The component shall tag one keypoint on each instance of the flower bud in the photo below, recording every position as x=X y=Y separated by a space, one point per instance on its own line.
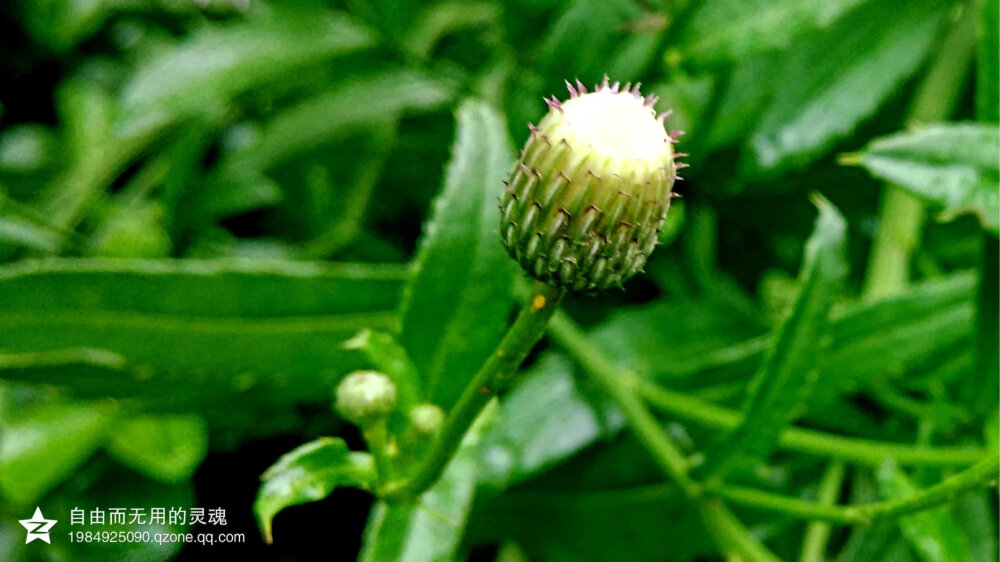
x=426 y=420
x=364 y=397
x=591 y=188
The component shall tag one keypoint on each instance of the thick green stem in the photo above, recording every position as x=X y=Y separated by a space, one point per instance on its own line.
x=901 y=216
x=818 y=532
x=727 y=530
x=494 y=377
x=848 y=449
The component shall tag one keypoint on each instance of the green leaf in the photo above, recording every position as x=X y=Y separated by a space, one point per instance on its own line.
x=834 y=82
x=933 y=533
x=26 y=149
x=455 y=308
x=609 y=503
x=192 y=331
x=583 y=39
x=974 y=516
x=61 y=25
x=987 y=63
x=546 y=419
x=236 y=288
x=309 y=473
x=120 y=488
x=697 y=330
x=165 y=448
x=734 y=30
x=442 y=18
x=431 y=528
x=44 y=444
x=550 y=417
x=219 y=61
x=898 y=335
x=354 y=105
x=953 y=166
x=744 y=98
x=790 y=366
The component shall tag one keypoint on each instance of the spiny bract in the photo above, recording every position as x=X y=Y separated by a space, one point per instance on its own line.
x=589 y=192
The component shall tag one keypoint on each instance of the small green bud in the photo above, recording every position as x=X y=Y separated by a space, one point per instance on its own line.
x=589 y=192
x=426 y=420
x=364 y=397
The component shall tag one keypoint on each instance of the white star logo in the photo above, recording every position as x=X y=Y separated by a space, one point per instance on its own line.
x=38 y=526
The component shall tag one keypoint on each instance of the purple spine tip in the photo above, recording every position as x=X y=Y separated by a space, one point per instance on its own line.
x=681 y=165
x=572 y=91
x=580 y=87
x=680 y=155
x=604 y=83
x=674 y=135
x=650 y=101
x=615 y=87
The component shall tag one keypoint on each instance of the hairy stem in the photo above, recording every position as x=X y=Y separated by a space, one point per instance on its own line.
x=494 y=376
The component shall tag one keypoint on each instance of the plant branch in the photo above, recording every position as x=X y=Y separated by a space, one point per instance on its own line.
x=730 y=533
x=968 y=480
x=901 y=215
x=818 y=532
x=848 y=449
x=624 y=392
x=494 y=376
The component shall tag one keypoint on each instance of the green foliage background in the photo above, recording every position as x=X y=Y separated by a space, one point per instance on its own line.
x=212 y=211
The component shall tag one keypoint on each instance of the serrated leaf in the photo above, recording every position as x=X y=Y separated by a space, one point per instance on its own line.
x=455 y=308
x=838 y=79
x=734 y=30
x=429 y=529
x=44 y=444
x=953 y=166
x=933 y=533
x=219 y=61
x=165 y=448
x=790 y=366
x=191 y=331
x=309 y=473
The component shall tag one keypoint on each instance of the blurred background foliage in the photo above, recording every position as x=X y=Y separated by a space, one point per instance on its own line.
x=200 y=201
